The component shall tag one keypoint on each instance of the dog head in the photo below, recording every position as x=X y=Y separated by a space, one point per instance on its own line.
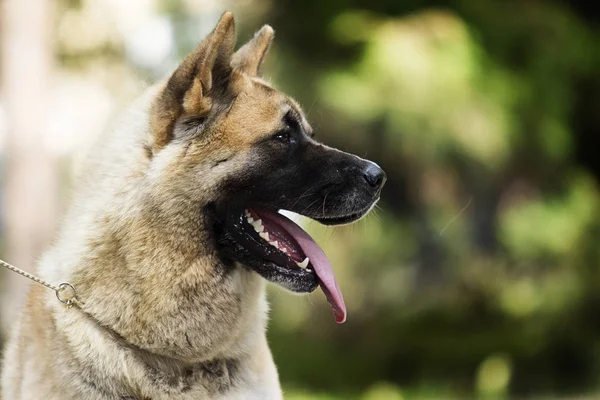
x=226 y=139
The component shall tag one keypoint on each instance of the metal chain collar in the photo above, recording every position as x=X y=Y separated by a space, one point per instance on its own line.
x=65 y=292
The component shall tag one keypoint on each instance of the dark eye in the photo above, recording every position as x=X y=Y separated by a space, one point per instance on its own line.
x=284 y=137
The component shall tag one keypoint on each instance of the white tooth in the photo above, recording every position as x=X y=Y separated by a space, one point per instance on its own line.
x=264 y=235
x=250 y=220
x=274 y=244
x=259 y=229
x=257 y=223
x=284 y=250
x=304 y=263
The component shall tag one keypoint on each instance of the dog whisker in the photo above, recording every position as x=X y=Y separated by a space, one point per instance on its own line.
x=305 y=194
x=324 y=200
x=308 y=206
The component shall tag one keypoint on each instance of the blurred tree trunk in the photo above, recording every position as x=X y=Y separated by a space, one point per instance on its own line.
x=30 y=173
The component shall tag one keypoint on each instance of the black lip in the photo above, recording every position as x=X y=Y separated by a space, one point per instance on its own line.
x=338 y=220
x=240 y=242
x=346 y=219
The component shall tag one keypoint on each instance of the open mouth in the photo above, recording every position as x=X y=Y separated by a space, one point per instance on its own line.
x=282 y=252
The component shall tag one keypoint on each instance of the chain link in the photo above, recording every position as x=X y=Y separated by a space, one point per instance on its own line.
x=69 y=300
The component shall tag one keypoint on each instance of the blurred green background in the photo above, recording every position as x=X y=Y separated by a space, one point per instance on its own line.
x=478 y=276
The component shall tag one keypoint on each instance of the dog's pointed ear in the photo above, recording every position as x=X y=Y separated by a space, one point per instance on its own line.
x=250 y=56
x=203 y=75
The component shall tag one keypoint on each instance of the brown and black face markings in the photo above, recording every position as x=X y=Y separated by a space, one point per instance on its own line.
x=257 y=150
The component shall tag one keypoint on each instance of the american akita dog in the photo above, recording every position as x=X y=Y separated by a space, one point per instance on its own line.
x=173 y=227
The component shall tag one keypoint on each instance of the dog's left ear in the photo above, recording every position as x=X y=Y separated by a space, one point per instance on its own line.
x=249 y=58
x=202 y=77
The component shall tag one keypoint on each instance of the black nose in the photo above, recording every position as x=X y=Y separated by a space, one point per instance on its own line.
x=374 y=176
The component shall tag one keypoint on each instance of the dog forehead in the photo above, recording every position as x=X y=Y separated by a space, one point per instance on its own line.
x=288 y=101
x=299 y=114
x=259 y=111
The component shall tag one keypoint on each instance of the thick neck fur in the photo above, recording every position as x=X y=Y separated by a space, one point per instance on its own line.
x=141 y=259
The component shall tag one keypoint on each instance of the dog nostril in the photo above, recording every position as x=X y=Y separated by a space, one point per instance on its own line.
x=374 y=176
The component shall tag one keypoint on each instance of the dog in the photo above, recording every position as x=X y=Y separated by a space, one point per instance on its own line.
x=174 y=231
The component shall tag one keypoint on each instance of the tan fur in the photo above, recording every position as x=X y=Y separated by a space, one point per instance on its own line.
x=159 y=320
x=249 y=58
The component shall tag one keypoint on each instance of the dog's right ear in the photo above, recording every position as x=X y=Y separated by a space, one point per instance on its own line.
x=201 y=76
x=249 y=58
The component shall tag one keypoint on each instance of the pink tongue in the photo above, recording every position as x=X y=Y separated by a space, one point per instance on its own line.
x=318 y=260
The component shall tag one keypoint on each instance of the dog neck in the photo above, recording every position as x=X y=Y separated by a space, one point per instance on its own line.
x=162 y=374
x=143 y=260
